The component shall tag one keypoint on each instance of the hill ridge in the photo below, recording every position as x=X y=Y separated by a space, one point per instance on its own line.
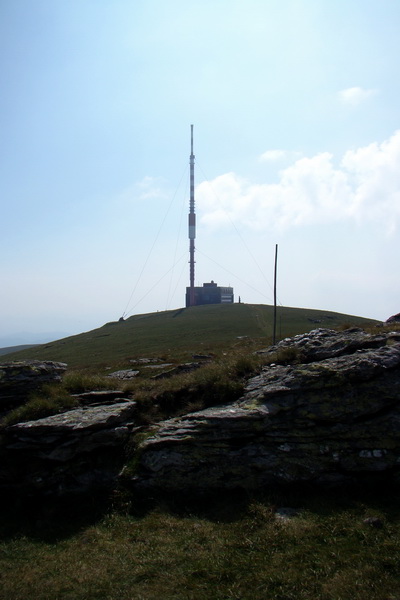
x=184 y=331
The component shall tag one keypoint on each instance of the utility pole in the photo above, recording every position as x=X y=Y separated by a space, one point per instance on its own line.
x=275 y=270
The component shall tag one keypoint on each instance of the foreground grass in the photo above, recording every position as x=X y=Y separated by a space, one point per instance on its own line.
x=223 y=552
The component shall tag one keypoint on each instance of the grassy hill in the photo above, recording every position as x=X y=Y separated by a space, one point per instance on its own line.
x=183 y=332
x=341 y=545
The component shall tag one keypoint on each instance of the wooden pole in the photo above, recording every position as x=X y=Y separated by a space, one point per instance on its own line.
x=275 y=270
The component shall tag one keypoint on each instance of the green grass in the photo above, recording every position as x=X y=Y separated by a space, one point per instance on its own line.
x=54 y=398
x=231 y=549
x=229 y=333
x=218 y=382
x=181 y=333
x=49 y=401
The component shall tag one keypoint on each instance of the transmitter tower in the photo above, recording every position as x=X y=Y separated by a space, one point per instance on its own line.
x=210 y=293
x=192 y=224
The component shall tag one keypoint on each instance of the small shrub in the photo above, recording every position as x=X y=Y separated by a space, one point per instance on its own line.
x=246 y=365
x=77 y=382
x=345 y=326
x=286 y=355
x=51 y=400
x=212 y=384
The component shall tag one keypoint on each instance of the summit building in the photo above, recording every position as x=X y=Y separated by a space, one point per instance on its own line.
x=210 y=293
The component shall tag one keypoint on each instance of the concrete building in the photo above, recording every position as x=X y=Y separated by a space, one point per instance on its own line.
x=210 y=293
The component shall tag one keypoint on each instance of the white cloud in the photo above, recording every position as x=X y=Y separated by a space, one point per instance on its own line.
x=355 y=96
x=375 y=174
x=147 y=189
x=272 y=155
x=365 y=186
x=275 y=155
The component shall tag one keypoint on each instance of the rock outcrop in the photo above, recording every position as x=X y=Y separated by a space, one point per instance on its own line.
x=326 y=410
x=185 y=368
x=393 y=319
x=75 y=451
x=125 y=374
x=72 y=452
x=20 y=378
x=332 y=418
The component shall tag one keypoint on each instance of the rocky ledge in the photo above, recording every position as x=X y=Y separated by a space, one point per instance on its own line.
x=77 y=451
x=19 y=379
x=332 y=418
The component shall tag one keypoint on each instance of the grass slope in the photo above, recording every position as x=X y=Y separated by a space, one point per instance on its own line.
x=183 y=332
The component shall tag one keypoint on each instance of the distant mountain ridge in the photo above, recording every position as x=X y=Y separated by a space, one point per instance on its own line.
x=10 y=349
x=27 y=338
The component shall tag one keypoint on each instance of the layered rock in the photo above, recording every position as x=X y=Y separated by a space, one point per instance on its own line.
x=331 y=419
x=75 y=451
x=185 y=368
x=19 y=379
x=125 y=374
x=327 y=343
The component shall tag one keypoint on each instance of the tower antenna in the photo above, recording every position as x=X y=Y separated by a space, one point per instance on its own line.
x=192 y=223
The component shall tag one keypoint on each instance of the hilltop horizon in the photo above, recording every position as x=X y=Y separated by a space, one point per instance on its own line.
x=20 y=338
x=185 y=331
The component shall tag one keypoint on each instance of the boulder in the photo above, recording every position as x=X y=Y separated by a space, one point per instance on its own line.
x=184 y=368
x=124 y=374
x=144 y=361
x=393 y=319
x=18 y=379
x=331 y=418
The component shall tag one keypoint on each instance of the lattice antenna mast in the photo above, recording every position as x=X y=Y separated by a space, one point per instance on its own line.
x=192 y=224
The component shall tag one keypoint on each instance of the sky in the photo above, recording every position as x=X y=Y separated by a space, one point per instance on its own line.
x=296 y=113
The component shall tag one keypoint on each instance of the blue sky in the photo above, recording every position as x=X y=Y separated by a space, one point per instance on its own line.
x=295 y=106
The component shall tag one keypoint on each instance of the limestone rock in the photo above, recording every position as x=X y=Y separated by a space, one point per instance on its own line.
x=328 y=343
x=331 y=419
x=18 y=379
x=159 y=366
x=124 y=374
x=184 y=368
x=69 y=452
x=100 y=397
x=144 y=361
